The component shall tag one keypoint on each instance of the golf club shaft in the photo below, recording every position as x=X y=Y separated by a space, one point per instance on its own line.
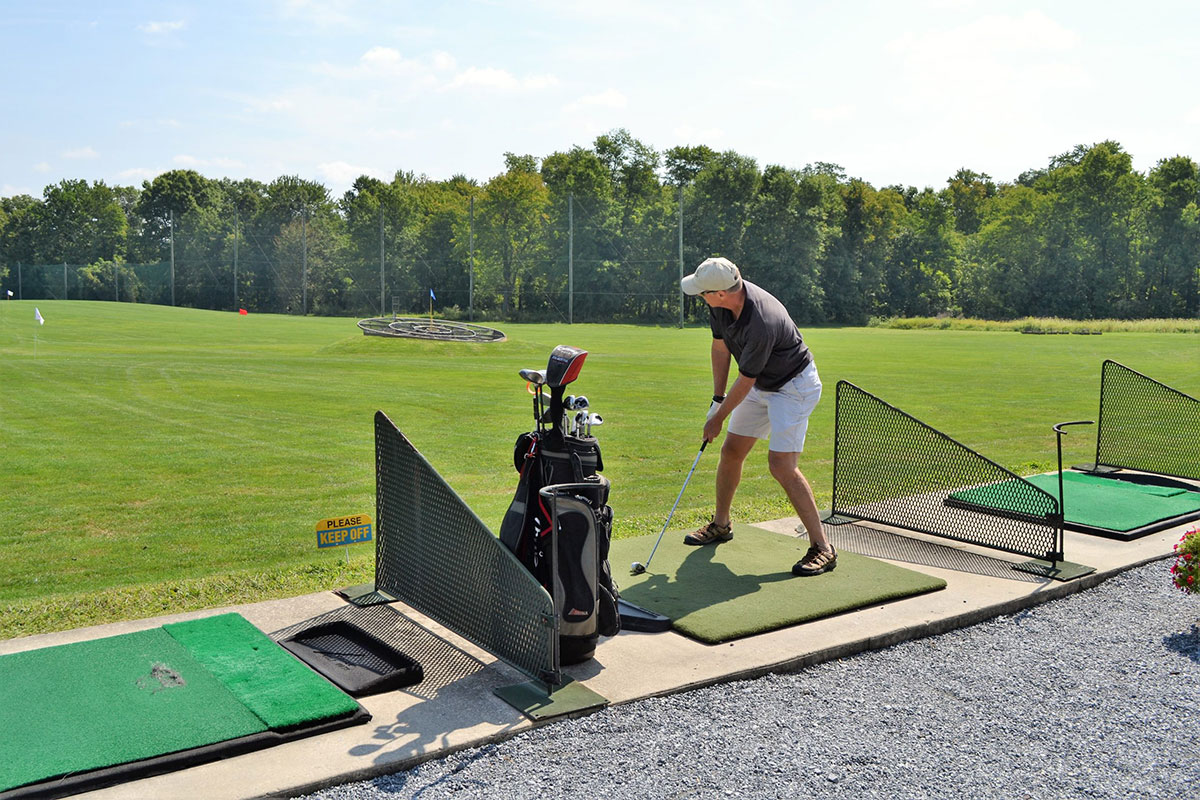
x=677 y=499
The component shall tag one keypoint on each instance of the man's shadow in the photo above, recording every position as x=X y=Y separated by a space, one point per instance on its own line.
x=701 y=582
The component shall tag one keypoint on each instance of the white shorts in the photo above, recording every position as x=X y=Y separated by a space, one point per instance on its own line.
x=781 y=416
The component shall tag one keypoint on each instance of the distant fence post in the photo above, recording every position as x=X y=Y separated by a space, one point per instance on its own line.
x=471 y=273
x=570 y=258
x=681 y=298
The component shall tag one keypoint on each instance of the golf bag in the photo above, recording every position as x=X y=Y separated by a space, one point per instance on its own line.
x=579 y=500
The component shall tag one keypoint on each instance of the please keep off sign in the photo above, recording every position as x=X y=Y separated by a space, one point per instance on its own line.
x=338 y=531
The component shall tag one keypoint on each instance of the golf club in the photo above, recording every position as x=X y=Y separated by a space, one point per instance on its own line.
x=534 y=380
x=637 y=568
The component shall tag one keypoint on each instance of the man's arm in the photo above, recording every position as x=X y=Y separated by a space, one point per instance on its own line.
x=721 y=359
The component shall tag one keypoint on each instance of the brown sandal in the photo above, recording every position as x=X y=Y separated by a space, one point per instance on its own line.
x=816 y=562
x=710 y=534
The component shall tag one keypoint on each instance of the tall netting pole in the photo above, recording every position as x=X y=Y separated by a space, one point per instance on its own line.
x=237 y=232
x=172 y=256
x=681 y=298
x=570 y=258
x=471 y=273
x=382 y=289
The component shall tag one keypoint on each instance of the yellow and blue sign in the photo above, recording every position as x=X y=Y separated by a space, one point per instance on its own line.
x=338 y=531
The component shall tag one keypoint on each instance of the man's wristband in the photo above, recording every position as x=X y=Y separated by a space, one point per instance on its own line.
x=718 y=398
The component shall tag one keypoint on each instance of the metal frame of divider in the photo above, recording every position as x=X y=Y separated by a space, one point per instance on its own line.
x=893 y=469
x=434 y=554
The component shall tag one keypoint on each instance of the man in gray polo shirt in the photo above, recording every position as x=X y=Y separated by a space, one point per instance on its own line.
x=776 y=389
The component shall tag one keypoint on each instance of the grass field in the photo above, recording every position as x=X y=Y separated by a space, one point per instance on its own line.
x=159 y=459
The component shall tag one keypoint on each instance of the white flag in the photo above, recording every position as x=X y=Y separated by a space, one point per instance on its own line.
x=38 y=316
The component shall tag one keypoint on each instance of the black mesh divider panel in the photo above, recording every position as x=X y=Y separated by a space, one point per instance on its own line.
x=1146 y=425
x=433 y=553
x=894 y=469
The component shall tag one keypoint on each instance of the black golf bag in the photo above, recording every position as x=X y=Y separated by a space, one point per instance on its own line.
x=551 y=457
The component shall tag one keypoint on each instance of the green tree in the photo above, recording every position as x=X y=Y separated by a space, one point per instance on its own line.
x=682 y=164
x=923 y=258
x=79 y=223
x=1008 y=278
x=382 y=215
x=510 y=226
x=444 y=238
x=786 y=240
x=581 y=199
x=19 y=233
x=717 y=207
x=968 y=192
x=853 y=274
x=1172 y=262
x=1092 y=238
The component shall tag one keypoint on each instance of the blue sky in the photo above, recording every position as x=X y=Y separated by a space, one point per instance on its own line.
x=896 y=92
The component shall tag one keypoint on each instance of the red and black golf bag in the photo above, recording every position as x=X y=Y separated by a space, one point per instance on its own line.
x=561 y=453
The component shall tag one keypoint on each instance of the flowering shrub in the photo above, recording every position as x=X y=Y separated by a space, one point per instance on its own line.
x=1186 y=569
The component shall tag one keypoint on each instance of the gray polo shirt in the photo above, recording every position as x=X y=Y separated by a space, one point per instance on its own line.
x=763 y=340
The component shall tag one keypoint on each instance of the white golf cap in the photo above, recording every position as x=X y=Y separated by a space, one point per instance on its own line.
x=713 y=275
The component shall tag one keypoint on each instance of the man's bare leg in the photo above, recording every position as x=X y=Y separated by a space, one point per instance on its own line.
x=729 y=473
x=785 y=470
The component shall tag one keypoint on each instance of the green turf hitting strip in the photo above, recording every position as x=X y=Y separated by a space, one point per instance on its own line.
x=745 y=586
x=1097 y=501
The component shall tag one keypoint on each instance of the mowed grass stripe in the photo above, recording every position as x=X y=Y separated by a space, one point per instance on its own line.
x=149 y=445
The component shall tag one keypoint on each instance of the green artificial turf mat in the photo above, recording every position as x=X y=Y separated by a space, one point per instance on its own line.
x=87 y=705
x=1097 y=501
x=745 y=586
x=272 y=683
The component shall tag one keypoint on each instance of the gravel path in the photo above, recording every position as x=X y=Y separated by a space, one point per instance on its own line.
x=1096 y=695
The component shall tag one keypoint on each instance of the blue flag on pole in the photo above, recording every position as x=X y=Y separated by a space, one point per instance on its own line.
x=431 y=297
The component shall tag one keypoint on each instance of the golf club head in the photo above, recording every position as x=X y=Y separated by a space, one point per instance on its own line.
x=636 y=568
x=535 y=376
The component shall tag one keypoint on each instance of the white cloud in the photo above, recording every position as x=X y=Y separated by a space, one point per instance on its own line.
x=1193 y=116
x=269 y=105
x=983 y=67
x=341 y=173
x=833 y=113
x=80 y=152
x=609 y=98
x=160 y=28
x=191 y=162
x=687 y=134
x=157 y=123
x=992 y=34
x=139 y=173
x=42 y=166
x=500 y=79
x=320 y=13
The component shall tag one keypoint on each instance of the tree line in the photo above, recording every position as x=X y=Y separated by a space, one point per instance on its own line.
x=598 y=233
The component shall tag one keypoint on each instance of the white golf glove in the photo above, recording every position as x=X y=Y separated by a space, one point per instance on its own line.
x=712 y=409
